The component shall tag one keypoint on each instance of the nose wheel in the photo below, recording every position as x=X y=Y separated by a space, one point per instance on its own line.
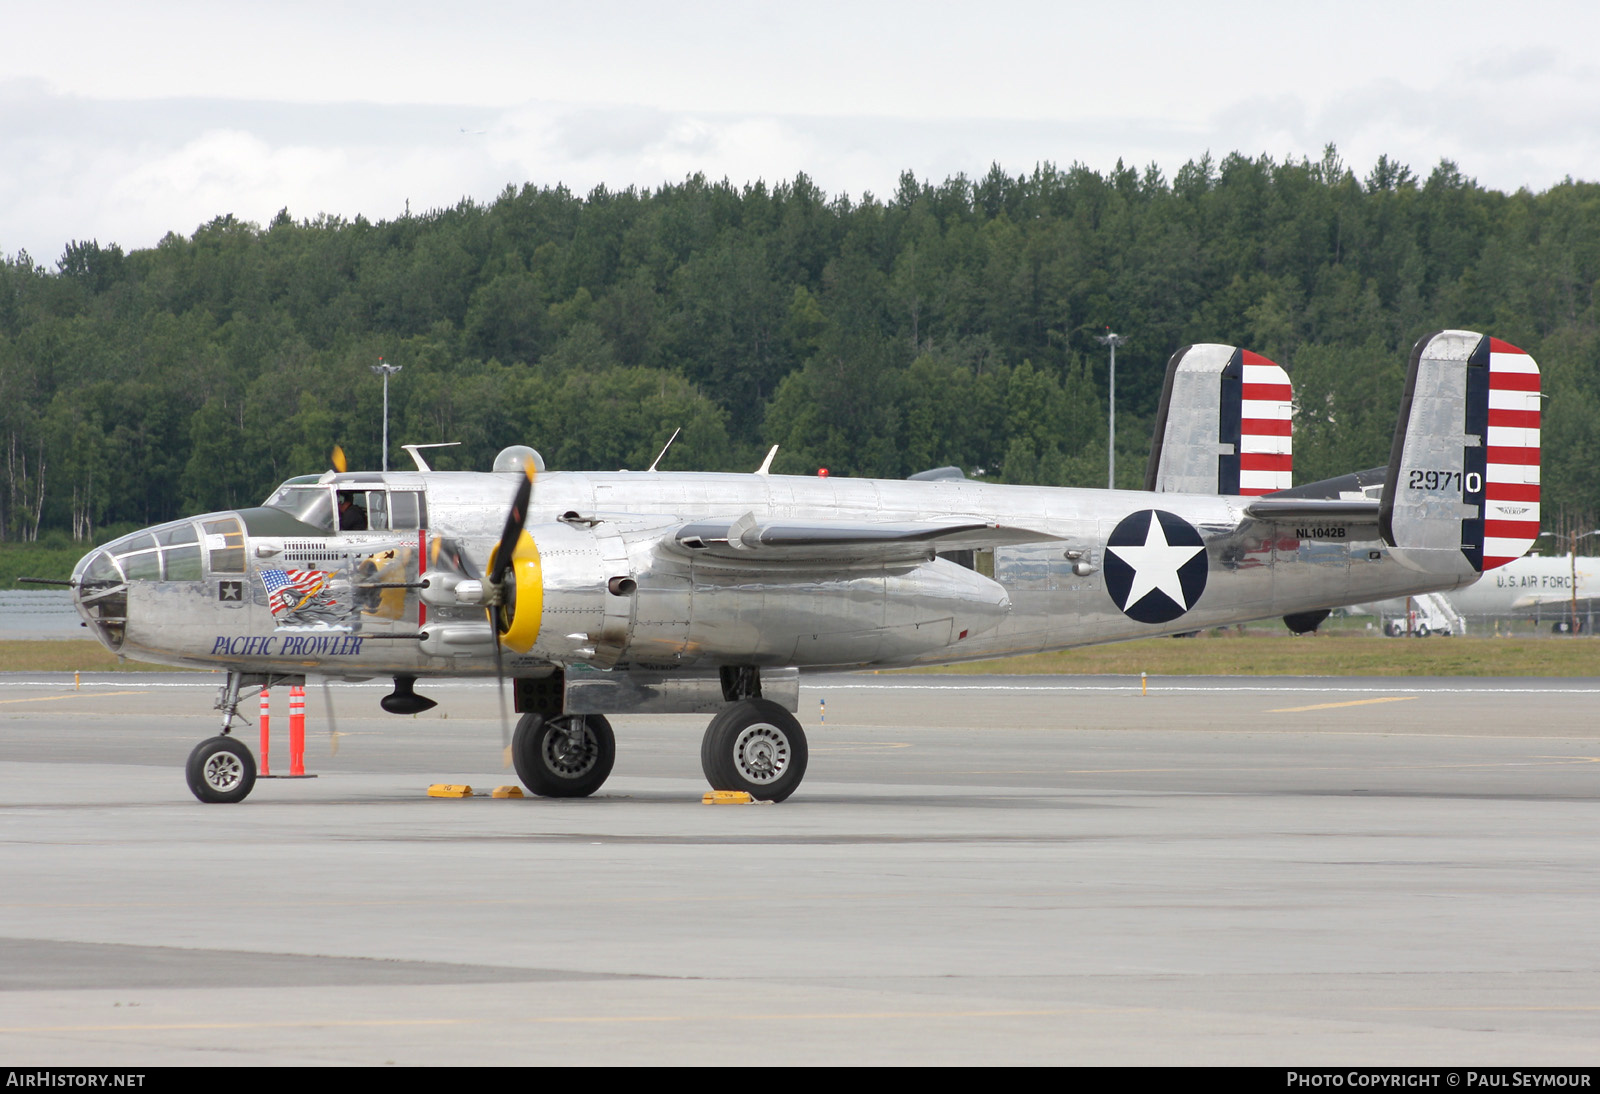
x=221 y=770
x=756 y=746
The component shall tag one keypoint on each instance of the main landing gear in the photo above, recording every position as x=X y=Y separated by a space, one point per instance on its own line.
x=563 y=756
x=753 y=745
x=756 y=746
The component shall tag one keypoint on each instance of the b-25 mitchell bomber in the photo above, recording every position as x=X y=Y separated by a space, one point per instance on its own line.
x=624 y=592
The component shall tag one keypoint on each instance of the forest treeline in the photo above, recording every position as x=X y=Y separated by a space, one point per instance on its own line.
x=949 y=323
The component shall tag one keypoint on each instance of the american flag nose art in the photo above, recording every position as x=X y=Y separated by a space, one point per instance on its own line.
x=288 y=589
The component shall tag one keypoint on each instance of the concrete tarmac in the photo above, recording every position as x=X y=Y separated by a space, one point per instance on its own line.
x=977 y=870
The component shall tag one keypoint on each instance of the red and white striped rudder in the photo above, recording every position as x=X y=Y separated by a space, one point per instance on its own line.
x=1266 y=417
x=1511 y=448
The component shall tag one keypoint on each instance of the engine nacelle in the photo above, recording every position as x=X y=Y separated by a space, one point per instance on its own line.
x=577 y=594
x=882 y=615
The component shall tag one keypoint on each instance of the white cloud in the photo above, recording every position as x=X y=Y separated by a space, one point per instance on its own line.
x=124 y=122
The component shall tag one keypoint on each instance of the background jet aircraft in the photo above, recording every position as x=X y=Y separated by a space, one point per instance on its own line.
x=1560 y=590
x=596 y=593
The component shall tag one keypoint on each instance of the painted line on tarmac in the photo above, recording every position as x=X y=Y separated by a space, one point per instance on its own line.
x=1155 y=688
x=1346 y=703
x=577 y=1019
x=74 y=695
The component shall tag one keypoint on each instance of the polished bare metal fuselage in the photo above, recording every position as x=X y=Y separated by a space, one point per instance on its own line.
x=698 y=613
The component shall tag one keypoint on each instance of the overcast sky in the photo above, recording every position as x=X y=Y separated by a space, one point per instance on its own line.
x=121 y=122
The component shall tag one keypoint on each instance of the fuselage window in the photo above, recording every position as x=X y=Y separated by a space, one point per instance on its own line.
x=406 y=510
x=377 y=510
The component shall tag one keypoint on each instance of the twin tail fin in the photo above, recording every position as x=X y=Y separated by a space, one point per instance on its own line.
x=1223 y=426
x=1462 y=490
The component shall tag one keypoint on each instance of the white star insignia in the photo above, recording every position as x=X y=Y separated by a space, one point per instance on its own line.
x=1155 y=566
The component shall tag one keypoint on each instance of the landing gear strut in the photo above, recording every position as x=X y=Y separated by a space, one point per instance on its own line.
x=756 y=746
x=222 y=769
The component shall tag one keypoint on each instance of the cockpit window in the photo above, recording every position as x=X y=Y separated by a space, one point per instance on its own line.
x=373 y=506
x=225 y=542
x=308 y=502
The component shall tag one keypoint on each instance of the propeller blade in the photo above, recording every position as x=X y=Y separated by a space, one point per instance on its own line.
x=339 y=460
x=515 y=520
x=333 y=726
x=500 y=679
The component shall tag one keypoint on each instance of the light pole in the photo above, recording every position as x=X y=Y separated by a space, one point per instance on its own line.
x=385 y=371
x=1113 y=340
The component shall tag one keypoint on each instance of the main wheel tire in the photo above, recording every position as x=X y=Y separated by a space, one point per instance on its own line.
x=568 y=756
x=221 y=769
x=756 y=746
x=1422 y=630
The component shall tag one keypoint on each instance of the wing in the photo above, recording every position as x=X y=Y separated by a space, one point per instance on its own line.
x=833 y=542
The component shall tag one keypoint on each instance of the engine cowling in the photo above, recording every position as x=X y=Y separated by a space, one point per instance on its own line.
x=519 y=615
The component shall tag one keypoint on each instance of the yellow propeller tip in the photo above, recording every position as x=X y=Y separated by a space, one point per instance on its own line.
x=339 y=464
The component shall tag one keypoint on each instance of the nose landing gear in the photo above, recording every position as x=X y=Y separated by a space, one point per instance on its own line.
x=221 y=769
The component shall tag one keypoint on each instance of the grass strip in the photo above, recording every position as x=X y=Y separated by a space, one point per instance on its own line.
x=1206 y=655
x=68 y=655
x=1327 y=655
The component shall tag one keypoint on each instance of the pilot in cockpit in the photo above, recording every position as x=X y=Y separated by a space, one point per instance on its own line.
x=352 y=517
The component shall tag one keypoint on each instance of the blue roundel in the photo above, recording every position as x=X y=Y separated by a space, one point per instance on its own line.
x=1155 y=566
